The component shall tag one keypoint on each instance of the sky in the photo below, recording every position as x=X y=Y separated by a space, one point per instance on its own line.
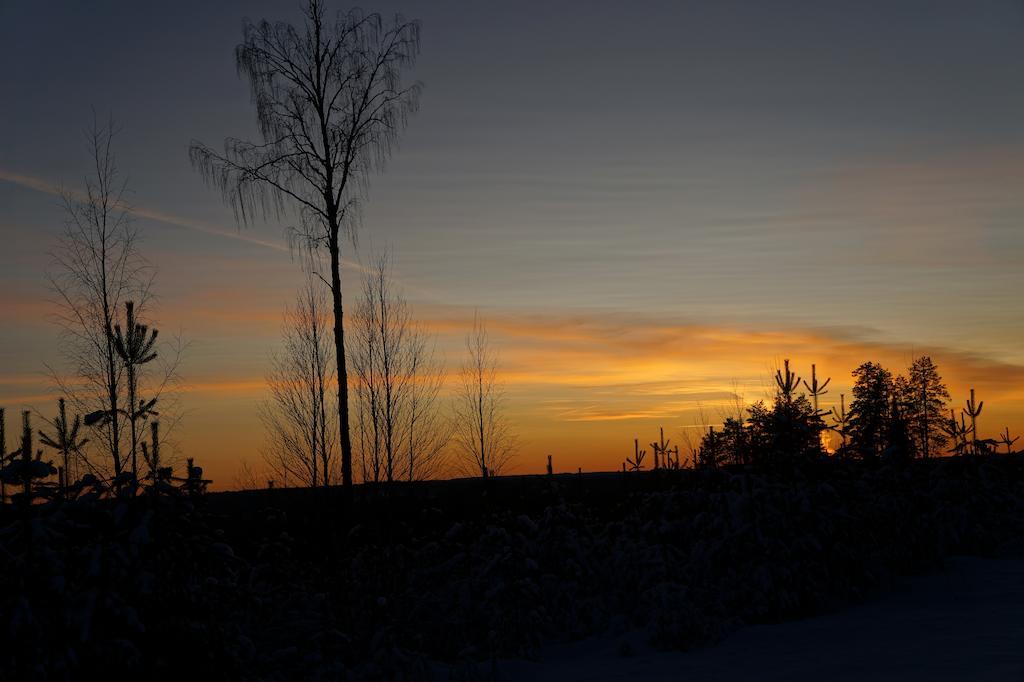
x=650 y=204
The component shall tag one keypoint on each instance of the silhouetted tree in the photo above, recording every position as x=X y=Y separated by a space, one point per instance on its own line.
x=973 y=410
x=923 y=399
x=841 y=425
x=64 y=440
x=870 y=409
x=816 y=390
x=637 y=462
x=1004 y=439
x=247 y=478
x=299 y=417
x=401 y=431
x=193 y=484
x=135 y=347
x=159 y=475
x=25 y=470
x=735 y=438
x=898 y=443
x=96 y=267
x=957 y=431
x=662 y=453
x=482 y=435
x=330 y=103
x=730 y=445
x=787 y=433
x=786 y=383
x=712 y=452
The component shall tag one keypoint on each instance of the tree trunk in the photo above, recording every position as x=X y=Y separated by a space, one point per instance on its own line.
x=111 y=387
x=924 y=417
x=133 y=416
x=339 y=353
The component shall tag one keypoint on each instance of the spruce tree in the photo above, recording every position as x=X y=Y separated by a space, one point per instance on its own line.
x=870 y=410
x=923 y=399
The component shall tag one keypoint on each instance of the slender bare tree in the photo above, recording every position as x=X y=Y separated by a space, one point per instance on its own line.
x=298 y=416
x=97 y=267
x=401 y=433
x=483 y=435
x=331 y=103
x=428 y=429
x=248 y=478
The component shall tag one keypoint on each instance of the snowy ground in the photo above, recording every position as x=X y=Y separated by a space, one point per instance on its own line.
x=966 y=623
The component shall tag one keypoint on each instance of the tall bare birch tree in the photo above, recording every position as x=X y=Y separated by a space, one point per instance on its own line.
x=331 y=103
x=299 y=416
x=483 y=435
x=401 y=433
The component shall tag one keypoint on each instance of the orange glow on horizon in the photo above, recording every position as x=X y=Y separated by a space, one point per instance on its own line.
x=583 y=387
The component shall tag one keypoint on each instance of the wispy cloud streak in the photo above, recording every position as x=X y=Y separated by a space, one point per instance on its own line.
x=40 y=185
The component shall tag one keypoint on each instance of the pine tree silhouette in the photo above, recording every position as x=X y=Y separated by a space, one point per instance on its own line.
x=957 y=432
x=65 y=441
x=636 y=464
x=158 y=474
x=923 y=400
x=870 y=409
x=1005 y=439
x=898 y=445
x=815 y=390
x=23 y=468
x=135 y=348
x=661 y=450
x=973 y=410
x=841 y=422
x=787 y=382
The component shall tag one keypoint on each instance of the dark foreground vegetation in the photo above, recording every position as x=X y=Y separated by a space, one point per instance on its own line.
x=446 y=576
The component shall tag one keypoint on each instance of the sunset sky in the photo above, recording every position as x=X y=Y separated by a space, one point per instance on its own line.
x=651 y=204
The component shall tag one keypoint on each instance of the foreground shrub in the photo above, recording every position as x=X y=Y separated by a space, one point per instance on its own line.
x=266 y=586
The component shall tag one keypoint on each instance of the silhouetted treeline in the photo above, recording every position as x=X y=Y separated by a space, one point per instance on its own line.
x=890 y=417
